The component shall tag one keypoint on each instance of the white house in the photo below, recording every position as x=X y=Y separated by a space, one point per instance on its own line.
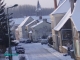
x=16 y=22
x=43 y=28
x=21 y=28
x=28 y=26
x=56 y=17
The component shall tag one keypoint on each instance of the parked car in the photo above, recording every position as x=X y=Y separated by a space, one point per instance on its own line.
x=17 y=46
x=22 y=40
x=44 y=41
x=28 y=41
x=22 y=57
x=20 y=50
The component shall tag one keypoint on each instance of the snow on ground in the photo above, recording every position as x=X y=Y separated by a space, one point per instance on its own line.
x=57 y=54
x=36 y=51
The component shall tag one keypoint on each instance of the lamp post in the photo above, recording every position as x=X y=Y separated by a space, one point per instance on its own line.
x=9 y=49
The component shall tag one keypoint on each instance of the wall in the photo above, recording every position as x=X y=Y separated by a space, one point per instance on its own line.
x=22 y=29
x=76 y=43
x=42 y=29
x=54 y=21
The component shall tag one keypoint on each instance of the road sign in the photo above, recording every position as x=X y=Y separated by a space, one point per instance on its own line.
x=7 y=54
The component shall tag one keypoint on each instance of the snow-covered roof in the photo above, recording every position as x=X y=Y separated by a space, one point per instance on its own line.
x=63 y=8
x=36 y=24
x=63 y=20
x=60 y=2
x=43 y=17
x=31 y=22
x=23 y=22
x=18 y=20
x=16 y=29
x=76 y=15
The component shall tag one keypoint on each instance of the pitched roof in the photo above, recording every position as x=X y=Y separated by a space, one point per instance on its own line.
x=63 y=20
x=63 y=8
x=31 y=22
x=43 y=17
x=27 y=18
x=76 y=15
x=36 y=24
x=60 y=2
x=18 y=20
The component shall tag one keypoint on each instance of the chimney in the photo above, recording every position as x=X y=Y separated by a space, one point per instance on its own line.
x=72 y=5
x=45 y=20
x=55 y=4
x=40 y=17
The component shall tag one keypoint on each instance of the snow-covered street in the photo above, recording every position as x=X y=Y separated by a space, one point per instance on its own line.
x=36 y=51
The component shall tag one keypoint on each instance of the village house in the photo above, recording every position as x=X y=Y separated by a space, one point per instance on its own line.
x=43 y=28
x=56 y=17
x=28 y=27
x=67 y=30
x=75 y=18
x=15 y=23
x=21 y=30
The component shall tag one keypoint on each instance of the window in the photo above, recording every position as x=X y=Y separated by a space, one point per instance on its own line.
x=66 y=34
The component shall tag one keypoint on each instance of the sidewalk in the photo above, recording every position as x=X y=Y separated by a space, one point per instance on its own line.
x=57 y=54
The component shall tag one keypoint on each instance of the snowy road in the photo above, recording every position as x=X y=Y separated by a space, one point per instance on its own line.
x=35 y=51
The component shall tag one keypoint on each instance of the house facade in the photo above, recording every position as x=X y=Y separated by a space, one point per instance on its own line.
x=68 y=31
x=21 y=28
x=63 y=32
x=17 y=22
x=28 y=27
x=75 y=17
x=56 y=17
x=43 y=28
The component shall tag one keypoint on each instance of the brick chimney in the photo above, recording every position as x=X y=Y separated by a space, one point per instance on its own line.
x=55 y=4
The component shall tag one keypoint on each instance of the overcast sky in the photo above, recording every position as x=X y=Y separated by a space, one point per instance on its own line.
x=43 y=3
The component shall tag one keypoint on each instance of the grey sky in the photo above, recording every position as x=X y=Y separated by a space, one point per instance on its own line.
x=43 y=3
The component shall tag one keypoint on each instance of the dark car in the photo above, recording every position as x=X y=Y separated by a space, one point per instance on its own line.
x=28 y=41
x=20 y=50
x=17 y=46
x=44 y=41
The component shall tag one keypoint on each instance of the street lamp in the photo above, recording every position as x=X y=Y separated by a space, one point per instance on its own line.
x=9 y=49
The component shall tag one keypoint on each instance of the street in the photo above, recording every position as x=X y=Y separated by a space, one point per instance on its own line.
x=36 y=51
